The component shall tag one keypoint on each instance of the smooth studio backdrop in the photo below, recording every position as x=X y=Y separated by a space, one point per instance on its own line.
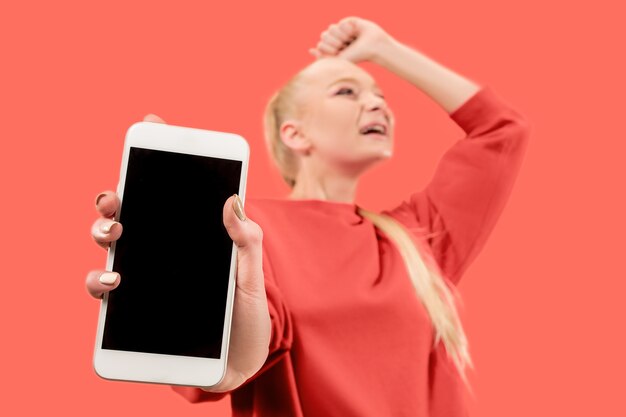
x=543 y=303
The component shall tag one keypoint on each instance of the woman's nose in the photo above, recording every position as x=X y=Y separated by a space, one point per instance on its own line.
x=375 y=102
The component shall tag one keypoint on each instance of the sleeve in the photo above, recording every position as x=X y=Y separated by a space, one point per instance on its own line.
x=280 y=340
x=472 y=182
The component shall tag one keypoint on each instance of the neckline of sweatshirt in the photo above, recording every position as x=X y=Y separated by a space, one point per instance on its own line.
x=315 y=207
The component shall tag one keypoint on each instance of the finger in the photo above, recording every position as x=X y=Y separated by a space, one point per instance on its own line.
x=153 y=118
x=332 y=40
x=348 y=27
x=326 y=49
x=340 y=33
x=107 y=203
x=100 y=282
x=103 y=245
x=317 y=54
x=104 y=231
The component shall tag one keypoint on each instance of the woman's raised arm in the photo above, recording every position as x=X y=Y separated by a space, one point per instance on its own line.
x=472 y=182
x=358 y=40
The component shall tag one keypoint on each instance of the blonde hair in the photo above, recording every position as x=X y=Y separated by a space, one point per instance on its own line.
x=435 y=291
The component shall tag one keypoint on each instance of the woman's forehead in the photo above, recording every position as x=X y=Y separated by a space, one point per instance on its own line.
x=324 y=72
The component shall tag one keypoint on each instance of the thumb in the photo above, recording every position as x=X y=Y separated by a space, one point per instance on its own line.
x=246 y=234
x=248 y=237
x=349 y=54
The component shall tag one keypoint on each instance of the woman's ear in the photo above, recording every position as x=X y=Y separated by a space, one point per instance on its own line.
x=293 y=137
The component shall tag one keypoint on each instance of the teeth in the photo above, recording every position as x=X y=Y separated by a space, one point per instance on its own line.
x=374 y=128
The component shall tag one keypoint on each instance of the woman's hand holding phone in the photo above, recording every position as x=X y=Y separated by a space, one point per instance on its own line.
x=250 y=335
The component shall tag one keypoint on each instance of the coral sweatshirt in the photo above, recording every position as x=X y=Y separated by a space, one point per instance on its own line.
x=350 y=337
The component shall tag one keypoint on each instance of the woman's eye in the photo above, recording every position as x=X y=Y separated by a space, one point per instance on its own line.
x=345 y=89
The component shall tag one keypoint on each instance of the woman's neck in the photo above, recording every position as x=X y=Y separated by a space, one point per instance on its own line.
x=337 y=189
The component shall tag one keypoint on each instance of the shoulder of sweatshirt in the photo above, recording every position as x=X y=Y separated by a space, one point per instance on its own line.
x=487 y=111
x=460 y=205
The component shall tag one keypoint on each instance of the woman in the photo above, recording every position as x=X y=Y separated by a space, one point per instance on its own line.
x=339 y=310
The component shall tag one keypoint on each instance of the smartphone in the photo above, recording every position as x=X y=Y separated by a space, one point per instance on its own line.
x=169 y=320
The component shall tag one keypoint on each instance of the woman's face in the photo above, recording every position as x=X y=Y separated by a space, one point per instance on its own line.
x=339 y=100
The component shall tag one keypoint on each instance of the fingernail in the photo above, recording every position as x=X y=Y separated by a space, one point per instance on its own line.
x=106 y=227
x=108 y=278
x=99 y=197
x=238 y=208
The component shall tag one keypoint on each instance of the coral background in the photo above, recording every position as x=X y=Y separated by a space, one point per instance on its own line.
x=543 y=306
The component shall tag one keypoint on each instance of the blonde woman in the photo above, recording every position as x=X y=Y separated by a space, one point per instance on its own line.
x=341 y=311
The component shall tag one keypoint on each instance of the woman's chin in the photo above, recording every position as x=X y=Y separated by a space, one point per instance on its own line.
x=382 y=156
x=387 y=153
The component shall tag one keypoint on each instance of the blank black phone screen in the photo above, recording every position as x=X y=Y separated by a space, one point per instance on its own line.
x=174 y=255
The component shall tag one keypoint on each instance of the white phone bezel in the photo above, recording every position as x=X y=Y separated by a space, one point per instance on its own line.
x=159 y=368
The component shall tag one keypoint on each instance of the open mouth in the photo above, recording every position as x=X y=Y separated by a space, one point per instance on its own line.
x=378 y=130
